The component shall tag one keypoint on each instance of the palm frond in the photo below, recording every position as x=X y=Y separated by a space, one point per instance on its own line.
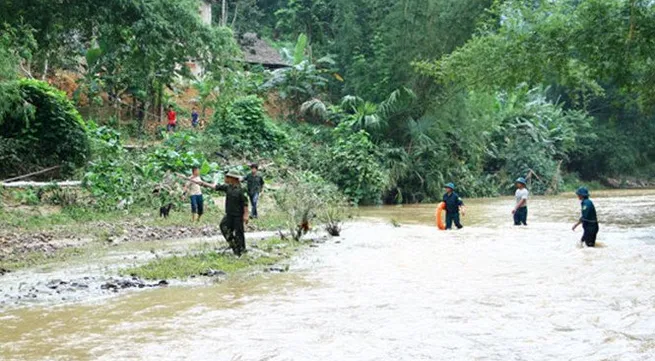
x=315 y=108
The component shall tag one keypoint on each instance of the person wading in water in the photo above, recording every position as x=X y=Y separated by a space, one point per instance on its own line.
x=520 y=211
x=236 y=210
x=454 y=205
x=588 y=219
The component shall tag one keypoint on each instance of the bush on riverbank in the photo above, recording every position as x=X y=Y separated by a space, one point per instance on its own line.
x=41 y=129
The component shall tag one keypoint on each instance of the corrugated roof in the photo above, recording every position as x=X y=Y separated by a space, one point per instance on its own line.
x=257 y=51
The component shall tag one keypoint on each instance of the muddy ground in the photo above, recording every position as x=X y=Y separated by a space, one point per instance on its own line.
x=16 y=244
x=94 y=272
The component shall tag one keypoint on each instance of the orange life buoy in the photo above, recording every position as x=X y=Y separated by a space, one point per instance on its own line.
x=439 y=215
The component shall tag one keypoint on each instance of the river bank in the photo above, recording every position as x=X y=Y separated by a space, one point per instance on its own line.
x=97 y=271
x=33 y=235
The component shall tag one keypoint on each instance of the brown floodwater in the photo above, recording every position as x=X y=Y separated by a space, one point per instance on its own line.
x=490 y=291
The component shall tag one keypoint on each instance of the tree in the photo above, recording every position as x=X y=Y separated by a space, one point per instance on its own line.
x=42 y=129
x=302 y=81
x=130 y=47
x=309 y=17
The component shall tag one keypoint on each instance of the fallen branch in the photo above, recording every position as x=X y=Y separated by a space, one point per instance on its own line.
x=135 y=146
x=64 y=184
x=31 y=174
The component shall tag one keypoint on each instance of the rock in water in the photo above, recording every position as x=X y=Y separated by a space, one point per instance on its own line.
x=213 y=273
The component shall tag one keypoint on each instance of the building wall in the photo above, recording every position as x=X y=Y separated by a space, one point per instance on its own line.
x=206 y=12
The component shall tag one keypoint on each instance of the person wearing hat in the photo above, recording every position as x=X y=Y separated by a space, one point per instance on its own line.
x=453 y=205
x=255 y=184
x=236 y=210
x=588 y=219
x=520 y=210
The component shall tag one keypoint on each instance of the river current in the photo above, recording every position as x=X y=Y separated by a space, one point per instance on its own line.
x=490 y=291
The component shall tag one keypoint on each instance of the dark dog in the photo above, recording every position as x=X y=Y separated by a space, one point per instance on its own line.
x=165 y=210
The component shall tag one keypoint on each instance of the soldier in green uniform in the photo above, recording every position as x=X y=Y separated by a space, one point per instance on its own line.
x=454 y=205
x=236 y=211
x=589 y=220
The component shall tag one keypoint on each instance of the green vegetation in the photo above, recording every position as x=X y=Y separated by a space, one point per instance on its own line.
x=383 y=101
x=40 y=129
x=245 y=130
x=206 y=259
x=131 y=49
x=32 y=259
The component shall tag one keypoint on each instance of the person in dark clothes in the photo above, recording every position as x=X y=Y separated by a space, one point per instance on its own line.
x=454 y=205
x=236 y=211
x=255 y=184
x=520 y=210
x=195 y=118
x=589 y=220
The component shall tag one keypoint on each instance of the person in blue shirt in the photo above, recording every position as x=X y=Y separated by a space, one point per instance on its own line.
x=588 y=219
x=454 y=205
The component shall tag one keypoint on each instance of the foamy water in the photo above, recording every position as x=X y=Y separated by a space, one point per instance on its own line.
x=487 y=292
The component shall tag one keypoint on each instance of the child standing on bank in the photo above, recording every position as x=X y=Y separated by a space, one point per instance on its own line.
x=454 y=205
x=195 y=192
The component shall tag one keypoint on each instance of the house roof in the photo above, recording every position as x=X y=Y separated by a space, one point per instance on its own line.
x=257 y=51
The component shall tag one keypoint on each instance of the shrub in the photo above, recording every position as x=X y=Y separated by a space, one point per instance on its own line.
x=118 y=179
x=244 y=128
x=43 y=129
x=354 y=167
x=304 y=196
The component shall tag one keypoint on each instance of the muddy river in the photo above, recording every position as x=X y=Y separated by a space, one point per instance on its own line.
x=380 y=292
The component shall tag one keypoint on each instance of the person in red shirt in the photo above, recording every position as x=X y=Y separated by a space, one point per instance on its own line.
x=172 y=119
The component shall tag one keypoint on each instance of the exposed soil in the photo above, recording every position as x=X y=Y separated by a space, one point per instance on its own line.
x=14 y=245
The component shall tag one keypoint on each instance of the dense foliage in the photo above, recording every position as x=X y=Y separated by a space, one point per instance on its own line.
x=131 y=49
x=41 y=129
x=244 y=129
x=387 y=100
x=503 y=89
x=596 y=56
x=354 y=166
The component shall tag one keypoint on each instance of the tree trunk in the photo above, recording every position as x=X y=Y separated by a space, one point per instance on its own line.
x=224 y=13
x=45 y=70
x=234 y=19
x=309 y=43
x=31 y=174
x=41 y=184
x=133 y=111
x=160 y=97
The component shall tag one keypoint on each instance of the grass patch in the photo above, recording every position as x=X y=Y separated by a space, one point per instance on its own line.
x=38 y=258
x=79 y=220
x=200 y=261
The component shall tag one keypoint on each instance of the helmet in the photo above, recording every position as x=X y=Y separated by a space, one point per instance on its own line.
x=450 y=185
x=582 y=192
x=520 y=180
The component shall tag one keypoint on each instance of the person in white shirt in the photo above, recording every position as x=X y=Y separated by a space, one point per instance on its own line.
x=195 y=192
x=520 y=210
